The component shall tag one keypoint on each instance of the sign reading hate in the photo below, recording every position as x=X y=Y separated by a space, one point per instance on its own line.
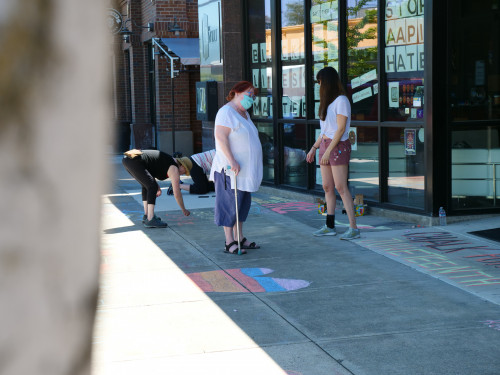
x=404 y=36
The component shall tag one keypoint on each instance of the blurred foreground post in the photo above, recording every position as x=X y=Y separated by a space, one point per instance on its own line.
x=54 y=130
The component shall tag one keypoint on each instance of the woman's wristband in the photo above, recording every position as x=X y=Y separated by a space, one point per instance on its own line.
x=314 y=147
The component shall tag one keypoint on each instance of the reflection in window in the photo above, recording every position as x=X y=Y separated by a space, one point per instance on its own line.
x=362 y=77
x=266 y=136
x=259 y=27
x=364 y=163
x=293 y=102
x=475 y=60
x=475 y=168
x=325 y=40
x=406 y=167
x=404 y=59
x=294 y=144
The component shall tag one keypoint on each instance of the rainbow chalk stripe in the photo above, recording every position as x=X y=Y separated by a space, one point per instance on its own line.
x=244 y=280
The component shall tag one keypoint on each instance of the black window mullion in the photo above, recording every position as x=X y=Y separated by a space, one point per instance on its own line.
x=382 y=81
x=276 y=66
x=384 y=164
x=309 y=90
x=343 y=41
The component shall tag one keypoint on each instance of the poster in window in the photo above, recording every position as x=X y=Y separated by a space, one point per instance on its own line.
x=393 y=94
x=319 y=180
x=264 y=106
x=295 y=108
x=263 y=53
x=325 y=11
x=410 y=142
x=263 y=78
x=286 y=78
x=353 y=138
x=286 y=105
x=255 y=52
x=319 y=33
x=256 y=106
x=315 y=13
x=255 y=77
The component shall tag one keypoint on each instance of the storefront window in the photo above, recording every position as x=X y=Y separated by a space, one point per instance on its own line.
x=475 y=168
x=362 y=56
x=294 y=144
x=404 y=59
x=364 y=164
x=259 y=28
x=325 y=40
x=406 y=167
x=293 y=101
x=475 y=60
x=266 y=136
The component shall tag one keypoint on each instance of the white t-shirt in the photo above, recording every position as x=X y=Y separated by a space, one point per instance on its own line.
x=245 y=146
x=340 y=106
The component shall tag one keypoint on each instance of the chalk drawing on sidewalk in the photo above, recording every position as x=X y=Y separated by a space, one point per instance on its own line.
x=361 y=226
x=244 y=280
x=495 y=324
x=177 y=219
x=425 y=251
x=270 y=199
x=285 y=207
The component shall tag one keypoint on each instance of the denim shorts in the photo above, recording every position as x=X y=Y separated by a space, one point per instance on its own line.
x=340 y=155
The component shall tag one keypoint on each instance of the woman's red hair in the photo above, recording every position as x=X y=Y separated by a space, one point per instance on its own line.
x=241 y=86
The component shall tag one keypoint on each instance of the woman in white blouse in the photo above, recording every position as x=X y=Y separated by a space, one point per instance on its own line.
x=238 y=149
x=334 y=150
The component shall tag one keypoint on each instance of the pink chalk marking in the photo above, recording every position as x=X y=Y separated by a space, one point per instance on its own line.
x=248 y=282
x=201 y=282
x=283 y=208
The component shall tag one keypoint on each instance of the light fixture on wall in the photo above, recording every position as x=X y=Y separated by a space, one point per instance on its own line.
x=125 y=32
x=175 y=28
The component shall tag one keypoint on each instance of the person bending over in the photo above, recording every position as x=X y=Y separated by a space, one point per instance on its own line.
x=145 y=166
x=197 y=166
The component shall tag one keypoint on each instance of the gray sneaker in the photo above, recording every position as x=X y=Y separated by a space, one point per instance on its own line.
x=351 y=234
x=155 y=222
x=325 y=231
x=145 y=218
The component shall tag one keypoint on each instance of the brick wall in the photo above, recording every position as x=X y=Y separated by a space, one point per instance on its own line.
x=183 y=116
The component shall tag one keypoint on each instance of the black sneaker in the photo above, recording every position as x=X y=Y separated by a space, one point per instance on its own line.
x=155 y=222
x=170 y=190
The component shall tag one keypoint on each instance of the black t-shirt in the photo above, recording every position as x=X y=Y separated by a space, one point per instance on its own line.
x=157 y=163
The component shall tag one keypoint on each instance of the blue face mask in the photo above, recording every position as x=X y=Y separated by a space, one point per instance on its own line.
x=246 y=102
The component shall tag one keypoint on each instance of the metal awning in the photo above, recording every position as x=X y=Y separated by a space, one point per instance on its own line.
x=188 y=49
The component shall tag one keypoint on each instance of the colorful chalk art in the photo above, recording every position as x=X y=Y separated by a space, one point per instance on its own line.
x=244 y=280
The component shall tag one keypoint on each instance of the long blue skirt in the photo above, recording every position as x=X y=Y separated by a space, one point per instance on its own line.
x=225 y=207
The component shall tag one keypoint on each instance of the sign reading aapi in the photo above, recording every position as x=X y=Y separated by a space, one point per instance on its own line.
x=404 y=36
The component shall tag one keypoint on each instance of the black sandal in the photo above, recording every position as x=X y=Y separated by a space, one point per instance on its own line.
x=253 y=245
x=227 y=247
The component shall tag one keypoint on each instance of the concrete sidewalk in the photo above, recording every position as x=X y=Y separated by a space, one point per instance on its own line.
x=400 y=300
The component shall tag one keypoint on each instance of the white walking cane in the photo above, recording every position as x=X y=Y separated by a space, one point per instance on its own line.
x=236 y=204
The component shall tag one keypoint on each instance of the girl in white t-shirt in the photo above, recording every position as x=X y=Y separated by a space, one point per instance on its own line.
x=334 y=150
x=237 y=146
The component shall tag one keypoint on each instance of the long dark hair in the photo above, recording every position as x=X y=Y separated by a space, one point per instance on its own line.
x=329 y=90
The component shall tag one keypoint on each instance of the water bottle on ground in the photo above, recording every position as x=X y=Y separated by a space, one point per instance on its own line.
x=442 y=216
